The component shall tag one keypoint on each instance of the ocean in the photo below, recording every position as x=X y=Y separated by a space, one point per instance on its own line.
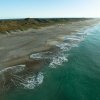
x=72 y=74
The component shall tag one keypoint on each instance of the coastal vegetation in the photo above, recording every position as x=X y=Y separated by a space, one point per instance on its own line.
x=8 y=25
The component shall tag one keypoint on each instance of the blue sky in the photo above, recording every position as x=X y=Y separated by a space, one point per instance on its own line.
x=49 y=8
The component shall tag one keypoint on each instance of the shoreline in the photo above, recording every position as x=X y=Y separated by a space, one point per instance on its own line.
x=45 y=46
x=39 y=41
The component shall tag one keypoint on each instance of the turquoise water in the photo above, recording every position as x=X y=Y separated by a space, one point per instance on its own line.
x=77 y=79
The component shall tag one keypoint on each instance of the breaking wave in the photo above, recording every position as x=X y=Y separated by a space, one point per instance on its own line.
x=69 y=42
x=60 y=56
x=56 y=58
x=32 y=81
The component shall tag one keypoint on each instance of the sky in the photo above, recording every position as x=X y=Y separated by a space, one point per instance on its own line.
x=49 y=8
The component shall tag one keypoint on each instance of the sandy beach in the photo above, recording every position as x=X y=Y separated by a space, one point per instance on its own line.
x=16 y=47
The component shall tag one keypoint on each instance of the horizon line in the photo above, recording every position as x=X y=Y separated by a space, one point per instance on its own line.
x=46 y=17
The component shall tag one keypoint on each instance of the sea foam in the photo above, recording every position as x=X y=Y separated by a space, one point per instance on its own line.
x=13 y=69
x=69 y=42
x=31 y=82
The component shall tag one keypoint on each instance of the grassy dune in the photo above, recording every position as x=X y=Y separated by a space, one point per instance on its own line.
x=24 y=24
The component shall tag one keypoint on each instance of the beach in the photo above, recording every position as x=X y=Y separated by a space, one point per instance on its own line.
x=26 y=52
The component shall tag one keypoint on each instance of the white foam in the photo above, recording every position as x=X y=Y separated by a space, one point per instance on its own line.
x=41 y=55
x=64 y=46
x=69 y=42
x=36 y=56
x=13 y=69
x=58 y=60
x=32 y=81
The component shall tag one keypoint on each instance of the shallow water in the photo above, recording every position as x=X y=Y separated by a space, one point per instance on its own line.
x=73 y=74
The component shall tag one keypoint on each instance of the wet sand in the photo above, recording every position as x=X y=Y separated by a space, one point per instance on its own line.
x=16 y=47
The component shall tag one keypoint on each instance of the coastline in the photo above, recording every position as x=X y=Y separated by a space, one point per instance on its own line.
x=35 y=41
